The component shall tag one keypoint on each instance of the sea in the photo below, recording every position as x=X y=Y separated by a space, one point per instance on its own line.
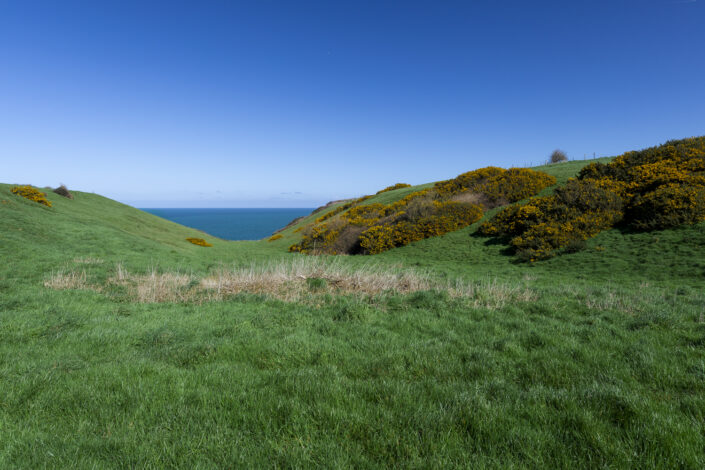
x=232 y=224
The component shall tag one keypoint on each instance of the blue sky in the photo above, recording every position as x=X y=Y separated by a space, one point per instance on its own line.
x=292 y=104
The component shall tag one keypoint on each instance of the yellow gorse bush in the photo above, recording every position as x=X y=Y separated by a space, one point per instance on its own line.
x=373 y=228
x=274 y=237
x=198 y=241
x=669 y=205
x=498 y=185
x=33 y=194
x=341 y=208
x=365 y=215
x=655 y=188
x=449 y=216
x=393 y=187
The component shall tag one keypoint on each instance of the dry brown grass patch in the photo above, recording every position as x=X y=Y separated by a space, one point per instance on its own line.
x=87 y=260
x=290 y=280
x=298 y=279
x=492 y=293
x=67 y=279
x=154 y=286
x=469 y=197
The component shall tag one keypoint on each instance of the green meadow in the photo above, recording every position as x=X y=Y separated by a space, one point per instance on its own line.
x=122 y=345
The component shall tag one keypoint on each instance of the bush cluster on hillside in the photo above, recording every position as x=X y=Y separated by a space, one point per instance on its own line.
x=33 y=194
x=356 y=228
x=655 y=188
x=198 y=241
x=63 y=191
x=393 y=187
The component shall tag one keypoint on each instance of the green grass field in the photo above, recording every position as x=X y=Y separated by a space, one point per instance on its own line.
x=590 y=360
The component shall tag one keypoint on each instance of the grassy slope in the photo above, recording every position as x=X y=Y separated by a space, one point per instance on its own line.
x=289 y=236
x=563 y=171
x=605 y=368
x=94 y=226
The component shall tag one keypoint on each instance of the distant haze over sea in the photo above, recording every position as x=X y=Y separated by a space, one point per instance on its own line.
x=233 y=224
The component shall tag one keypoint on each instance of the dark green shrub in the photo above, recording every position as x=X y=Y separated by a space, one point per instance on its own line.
x=588 y=196
x=574 y=246
x=63 y=191
x=558 y=156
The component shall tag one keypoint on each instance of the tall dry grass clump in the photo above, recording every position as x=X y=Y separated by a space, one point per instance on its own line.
x=153 y=286
x=491 y=293
x=63 y=279
x=290 y=280
x=87 y=260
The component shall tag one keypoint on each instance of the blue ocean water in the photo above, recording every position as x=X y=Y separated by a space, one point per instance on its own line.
x=232 y=224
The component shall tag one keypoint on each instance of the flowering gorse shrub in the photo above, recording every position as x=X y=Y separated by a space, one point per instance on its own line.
x=356 y=228
x=655 y=188
x=365 y=215
x=661 y=186
x=576 y=212
x=449 y=216
x=669 y=205
x=198 y=241
x=342 y=208
x=393 y=187
x=33 y=194
x=498 y=185
x=274 y=237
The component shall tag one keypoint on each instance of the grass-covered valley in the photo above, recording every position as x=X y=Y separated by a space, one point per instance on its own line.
x=122 y=345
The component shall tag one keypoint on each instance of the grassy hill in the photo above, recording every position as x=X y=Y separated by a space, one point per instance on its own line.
x=593 y=359
x=561 y=172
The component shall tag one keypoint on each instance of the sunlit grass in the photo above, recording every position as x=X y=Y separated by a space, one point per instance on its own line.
x=116 y=350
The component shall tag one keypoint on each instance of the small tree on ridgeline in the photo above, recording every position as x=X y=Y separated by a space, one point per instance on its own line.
x=63 y=191
x=558 y=156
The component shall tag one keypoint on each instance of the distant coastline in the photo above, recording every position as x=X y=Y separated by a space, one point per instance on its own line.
x=232 y=223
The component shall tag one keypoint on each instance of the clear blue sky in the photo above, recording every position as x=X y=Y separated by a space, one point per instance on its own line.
x=294 y=103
